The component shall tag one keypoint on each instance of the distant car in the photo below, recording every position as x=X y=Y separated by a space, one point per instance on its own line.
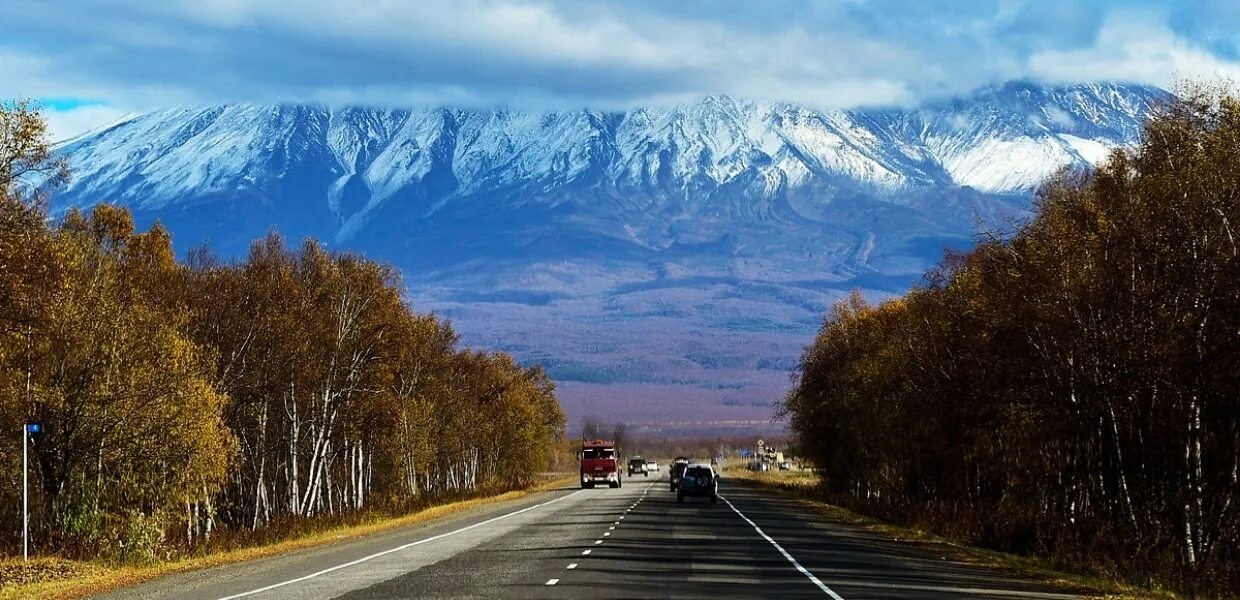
x=784 y=466
x=637 y=465
x=652 y=466
x=677 y=469
x=698 y=481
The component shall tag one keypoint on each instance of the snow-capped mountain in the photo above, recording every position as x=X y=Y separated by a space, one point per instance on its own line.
x=710 y=218
x=330 y=172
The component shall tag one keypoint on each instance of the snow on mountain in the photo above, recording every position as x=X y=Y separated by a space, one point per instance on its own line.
x=351 y=161
x=693 y=227
x=1010 y=138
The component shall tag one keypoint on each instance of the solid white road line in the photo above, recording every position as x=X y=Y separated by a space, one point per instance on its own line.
x=552 y=581
x=399 y=548
x=822 y=586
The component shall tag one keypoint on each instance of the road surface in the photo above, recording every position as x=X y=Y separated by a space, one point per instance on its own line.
x=633 y=542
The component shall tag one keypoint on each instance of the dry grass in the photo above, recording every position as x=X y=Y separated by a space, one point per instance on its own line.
x=58 y=579
x=803 y=487
x=792 y=479
x=16 y=574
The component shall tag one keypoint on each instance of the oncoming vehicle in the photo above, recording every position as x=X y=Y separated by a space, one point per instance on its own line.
x=637 y=465
x=678 y=467
x=598 y=464
x=698 y=481
x=652 y=466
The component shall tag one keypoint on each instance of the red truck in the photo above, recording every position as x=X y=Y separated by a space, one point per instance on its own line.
x=598 y=464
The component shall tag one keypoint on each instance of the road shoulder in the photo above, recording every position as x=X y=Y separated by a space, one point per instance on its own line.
x=801 y=490
x=82 y=579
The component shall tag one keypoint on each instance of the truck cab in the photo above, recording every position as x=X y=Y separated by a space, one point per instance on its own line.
x=598 y=464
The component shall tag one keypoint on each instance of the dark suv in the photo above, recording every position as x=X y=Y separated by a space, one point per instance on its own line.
x=698 y=481
x=637 y=465
x=678 y=468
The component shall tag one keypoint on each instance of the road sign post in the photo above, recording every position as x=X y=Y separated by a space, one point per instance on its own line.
x=27 y=429
x=25 y=510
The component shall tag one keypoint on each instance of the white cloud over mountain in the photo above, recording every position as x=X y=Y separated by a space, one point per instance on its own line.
x=541 y=54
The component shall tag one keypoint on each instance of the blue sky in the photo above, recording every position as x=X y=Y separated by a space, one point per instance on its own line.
x=100 y=59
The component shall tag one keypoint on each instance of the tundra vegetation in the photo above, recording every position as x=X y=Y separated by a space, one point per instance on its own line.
x=1067 y=390
x=186 y=403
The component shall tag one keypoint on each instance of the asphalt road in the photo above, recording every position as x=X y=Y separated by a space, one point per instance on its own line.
x=633 y=542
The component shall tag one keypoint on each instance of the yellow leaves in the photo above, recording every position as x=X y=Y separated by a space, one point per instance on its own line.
x=26 y=157
x=131 y=418
x=111 y=226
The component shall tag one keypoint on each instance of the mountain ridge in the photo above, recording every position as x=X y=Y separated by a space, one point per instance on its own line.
x=698 y=228
x=719 y=130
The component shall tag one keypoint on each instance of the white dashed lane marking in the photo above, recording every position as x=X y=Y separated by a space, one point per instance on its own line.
x=607 y=533
x=400 y=548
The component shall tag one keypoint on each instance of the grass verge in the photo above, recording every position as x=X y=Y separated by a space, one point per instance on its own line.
x=802 y=486
x=59 y=579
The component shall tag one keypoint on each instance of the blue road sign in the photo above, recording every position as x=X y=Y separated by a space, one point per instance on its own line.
x=34 y=427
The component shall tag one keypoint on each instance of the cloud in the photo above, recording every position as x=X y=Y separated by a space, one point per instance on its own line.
x=65 y=124
x=541 y=54
x=494 y=51
x=1060 y=117
x=1134 y=48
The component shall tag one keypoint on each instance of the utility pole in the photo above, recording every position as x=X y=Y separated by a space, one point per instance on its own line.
x=27 y=429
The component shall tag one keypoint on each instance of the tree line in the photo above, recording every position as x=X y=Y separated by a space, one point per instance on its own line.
x=1067 y=390
x=186 y=399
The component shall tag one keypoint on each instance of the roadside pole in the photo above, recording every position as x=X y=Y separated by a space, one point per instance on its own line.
x=27 y=429
x=25 y=509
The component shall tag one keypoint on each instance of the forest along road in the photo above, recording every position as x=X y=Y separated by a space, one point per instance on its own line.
x=632 y=542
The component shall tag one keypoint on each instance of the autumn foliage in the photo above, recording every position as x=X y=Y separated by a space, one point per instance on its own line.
x=187 y=400
x=1070 y=390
